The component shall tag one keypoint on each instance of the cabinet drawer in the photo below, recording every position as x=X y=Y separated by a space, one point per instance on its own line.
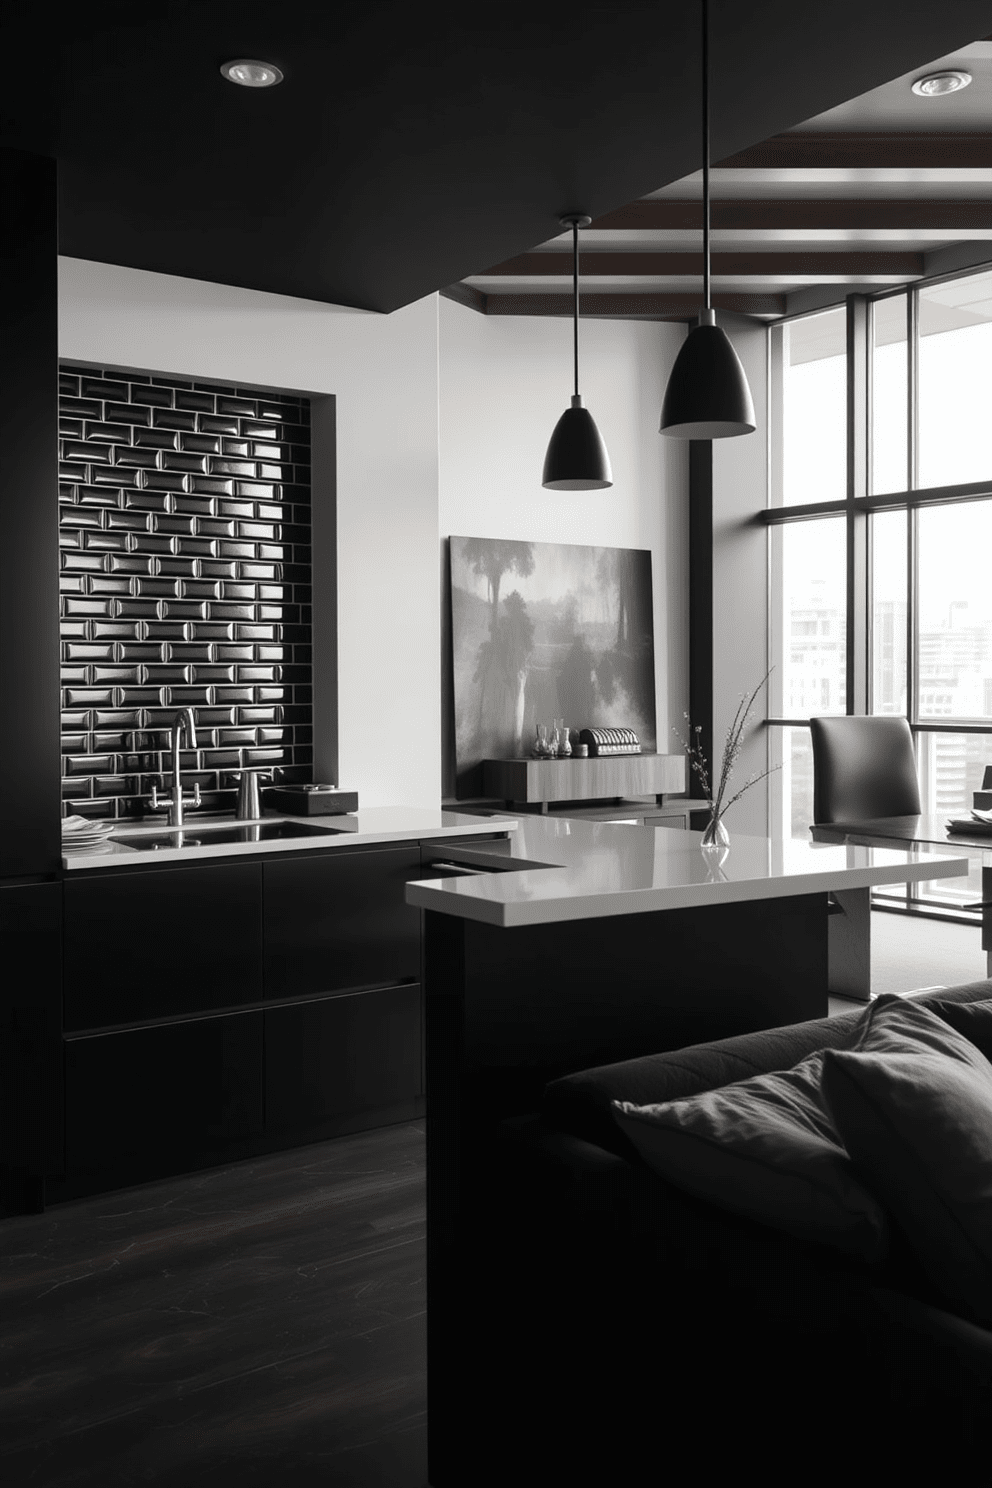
x=161 y=943
x=338 y=1056
x=340 y=921
x=154 y=1100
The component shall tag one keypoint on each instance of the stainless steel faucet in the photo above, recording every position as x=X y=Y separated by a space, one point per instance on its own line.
x=183 y=723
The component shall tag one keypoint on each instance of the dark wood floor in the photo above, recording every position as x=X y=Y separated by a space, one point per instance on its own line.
x=262 y=1323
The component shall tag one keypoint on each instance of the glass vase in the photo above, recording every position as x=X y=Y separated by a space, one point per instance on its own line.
x=715 y=837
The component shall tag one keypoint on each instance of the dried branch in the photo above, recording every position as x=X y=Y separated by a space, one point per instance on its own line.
x=732 y=750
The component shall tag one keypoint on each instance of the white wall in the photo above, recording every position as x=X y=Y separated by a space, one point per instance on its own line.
x=383 y=371
x=504 y=383
x=422 y=451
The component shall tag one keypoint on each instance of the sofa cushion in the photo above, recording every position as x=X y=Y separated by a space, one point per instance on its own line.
x=582 y=1103
x=973 y=1019
x=767 y=1148
x=915 y=1114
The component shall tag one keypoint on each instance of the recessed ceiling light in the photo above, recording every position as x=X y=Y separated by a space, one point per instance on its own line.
x=251 y=74
x=936 y=83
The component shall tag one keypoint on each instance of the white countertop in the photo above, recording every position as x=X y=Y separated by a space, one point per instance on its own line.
x=598 y=868
x=362 y=828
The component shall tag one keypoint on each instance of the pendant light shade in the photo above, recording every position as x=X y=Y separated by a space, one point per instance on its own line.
x=576 y=459
x=707 y=395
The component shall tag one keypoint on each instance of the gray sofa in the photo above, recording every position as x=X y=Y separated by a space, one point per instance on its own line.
x=652 y=1300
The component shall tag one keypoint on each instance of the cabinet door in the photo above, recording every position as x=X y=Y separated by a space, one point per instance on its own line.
x=157 y=1100
x=160 y=943
x=31 y=1027
x=340 y=920
x=339 y=1056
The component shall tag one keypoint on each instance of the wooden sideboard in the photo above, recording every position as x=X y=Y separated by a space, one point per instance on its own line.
x=600 y=778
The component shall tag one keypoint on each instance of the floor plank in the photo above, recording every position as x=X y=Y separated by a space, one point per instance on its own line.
x=260 y=1323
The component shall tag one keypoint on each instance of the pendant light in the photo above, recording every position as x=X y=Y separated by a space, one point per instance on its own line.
x=707 y=395
x=576 y=458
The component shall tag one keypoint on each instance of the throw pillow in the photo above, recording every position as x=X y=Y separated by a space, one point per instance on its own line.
x=915 y=1114
x=765 y=1148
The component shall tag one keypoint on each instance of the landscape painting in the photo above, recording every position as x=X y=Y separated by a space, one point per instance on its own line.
x=541 y=631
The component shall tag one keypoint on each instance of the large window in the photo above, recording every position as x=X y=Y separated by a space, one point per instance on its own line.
x=880 y=517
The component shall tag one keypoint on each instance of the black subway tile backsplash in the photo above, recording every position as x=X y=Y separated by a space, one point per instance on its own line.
x=185 y=536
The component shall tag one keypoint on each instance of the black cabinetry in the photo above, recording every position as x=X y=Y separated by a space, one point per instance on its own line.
x=223 y=1009
x=151 y=1101
x=31 y=1107
x=340 y=921
x=162 y=943
x=334 y=1059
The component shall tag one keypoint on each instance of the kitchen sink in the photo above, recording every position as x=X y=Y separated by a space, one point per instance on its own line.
x=204 y=834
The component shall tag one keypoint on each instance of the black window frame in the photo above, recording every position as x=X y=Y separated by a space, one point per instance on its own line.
x=856 y=507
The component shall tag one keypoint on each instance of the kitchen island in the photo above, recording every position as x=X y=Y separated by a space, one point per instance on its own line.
x=605 y=942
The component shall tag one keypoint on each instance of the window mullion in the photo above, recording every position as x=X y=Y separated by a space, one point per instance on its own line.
x=857 y=489
x=912 y=515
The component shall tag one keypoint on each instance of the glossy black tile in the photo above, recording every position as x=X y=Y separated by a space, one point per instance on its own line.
x=126 y=413
x=157 y=396
x=185 y=462
x=104 y=433
x=199 y=589
x=93 y=386
x=156 y=439
x=205 y=444
x=240 y=406
x=131 y=521
x=213 y=568
x=114 y=475
x=158 y=574
x=199 y=507
x=218 y=466
x=104 y=542
x=73 y=449
x=148 y=501
x=172 y=522
x=79 y=562
x=211 y=486
x=198 y=402
x=79 y=516
x=174 y=419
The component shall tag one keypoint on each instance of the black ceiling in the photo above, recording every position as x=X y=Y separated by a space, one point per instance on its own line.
x=409 y=146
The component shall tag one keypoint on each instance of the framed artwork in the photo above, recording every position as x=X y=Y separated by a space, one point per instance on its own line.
x=542 y=631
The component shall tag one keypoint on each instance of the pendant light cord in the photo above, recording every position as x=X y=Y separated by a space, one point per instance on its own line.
x=706 y=155
x=575 y=299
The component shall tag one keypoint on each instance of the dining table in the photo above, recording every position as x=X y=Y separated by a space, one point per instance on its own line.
x=851 y=946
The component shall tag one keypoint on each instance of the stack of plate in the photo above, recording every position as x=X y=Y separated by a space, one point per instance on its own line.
x=79 y=832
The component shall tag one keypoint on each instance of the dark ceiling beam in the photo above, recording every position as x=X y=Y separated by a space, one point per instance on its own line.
x=801 y=215
x=633 y=306
x=881 y=151
x=807 y=265
x=465 y=294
